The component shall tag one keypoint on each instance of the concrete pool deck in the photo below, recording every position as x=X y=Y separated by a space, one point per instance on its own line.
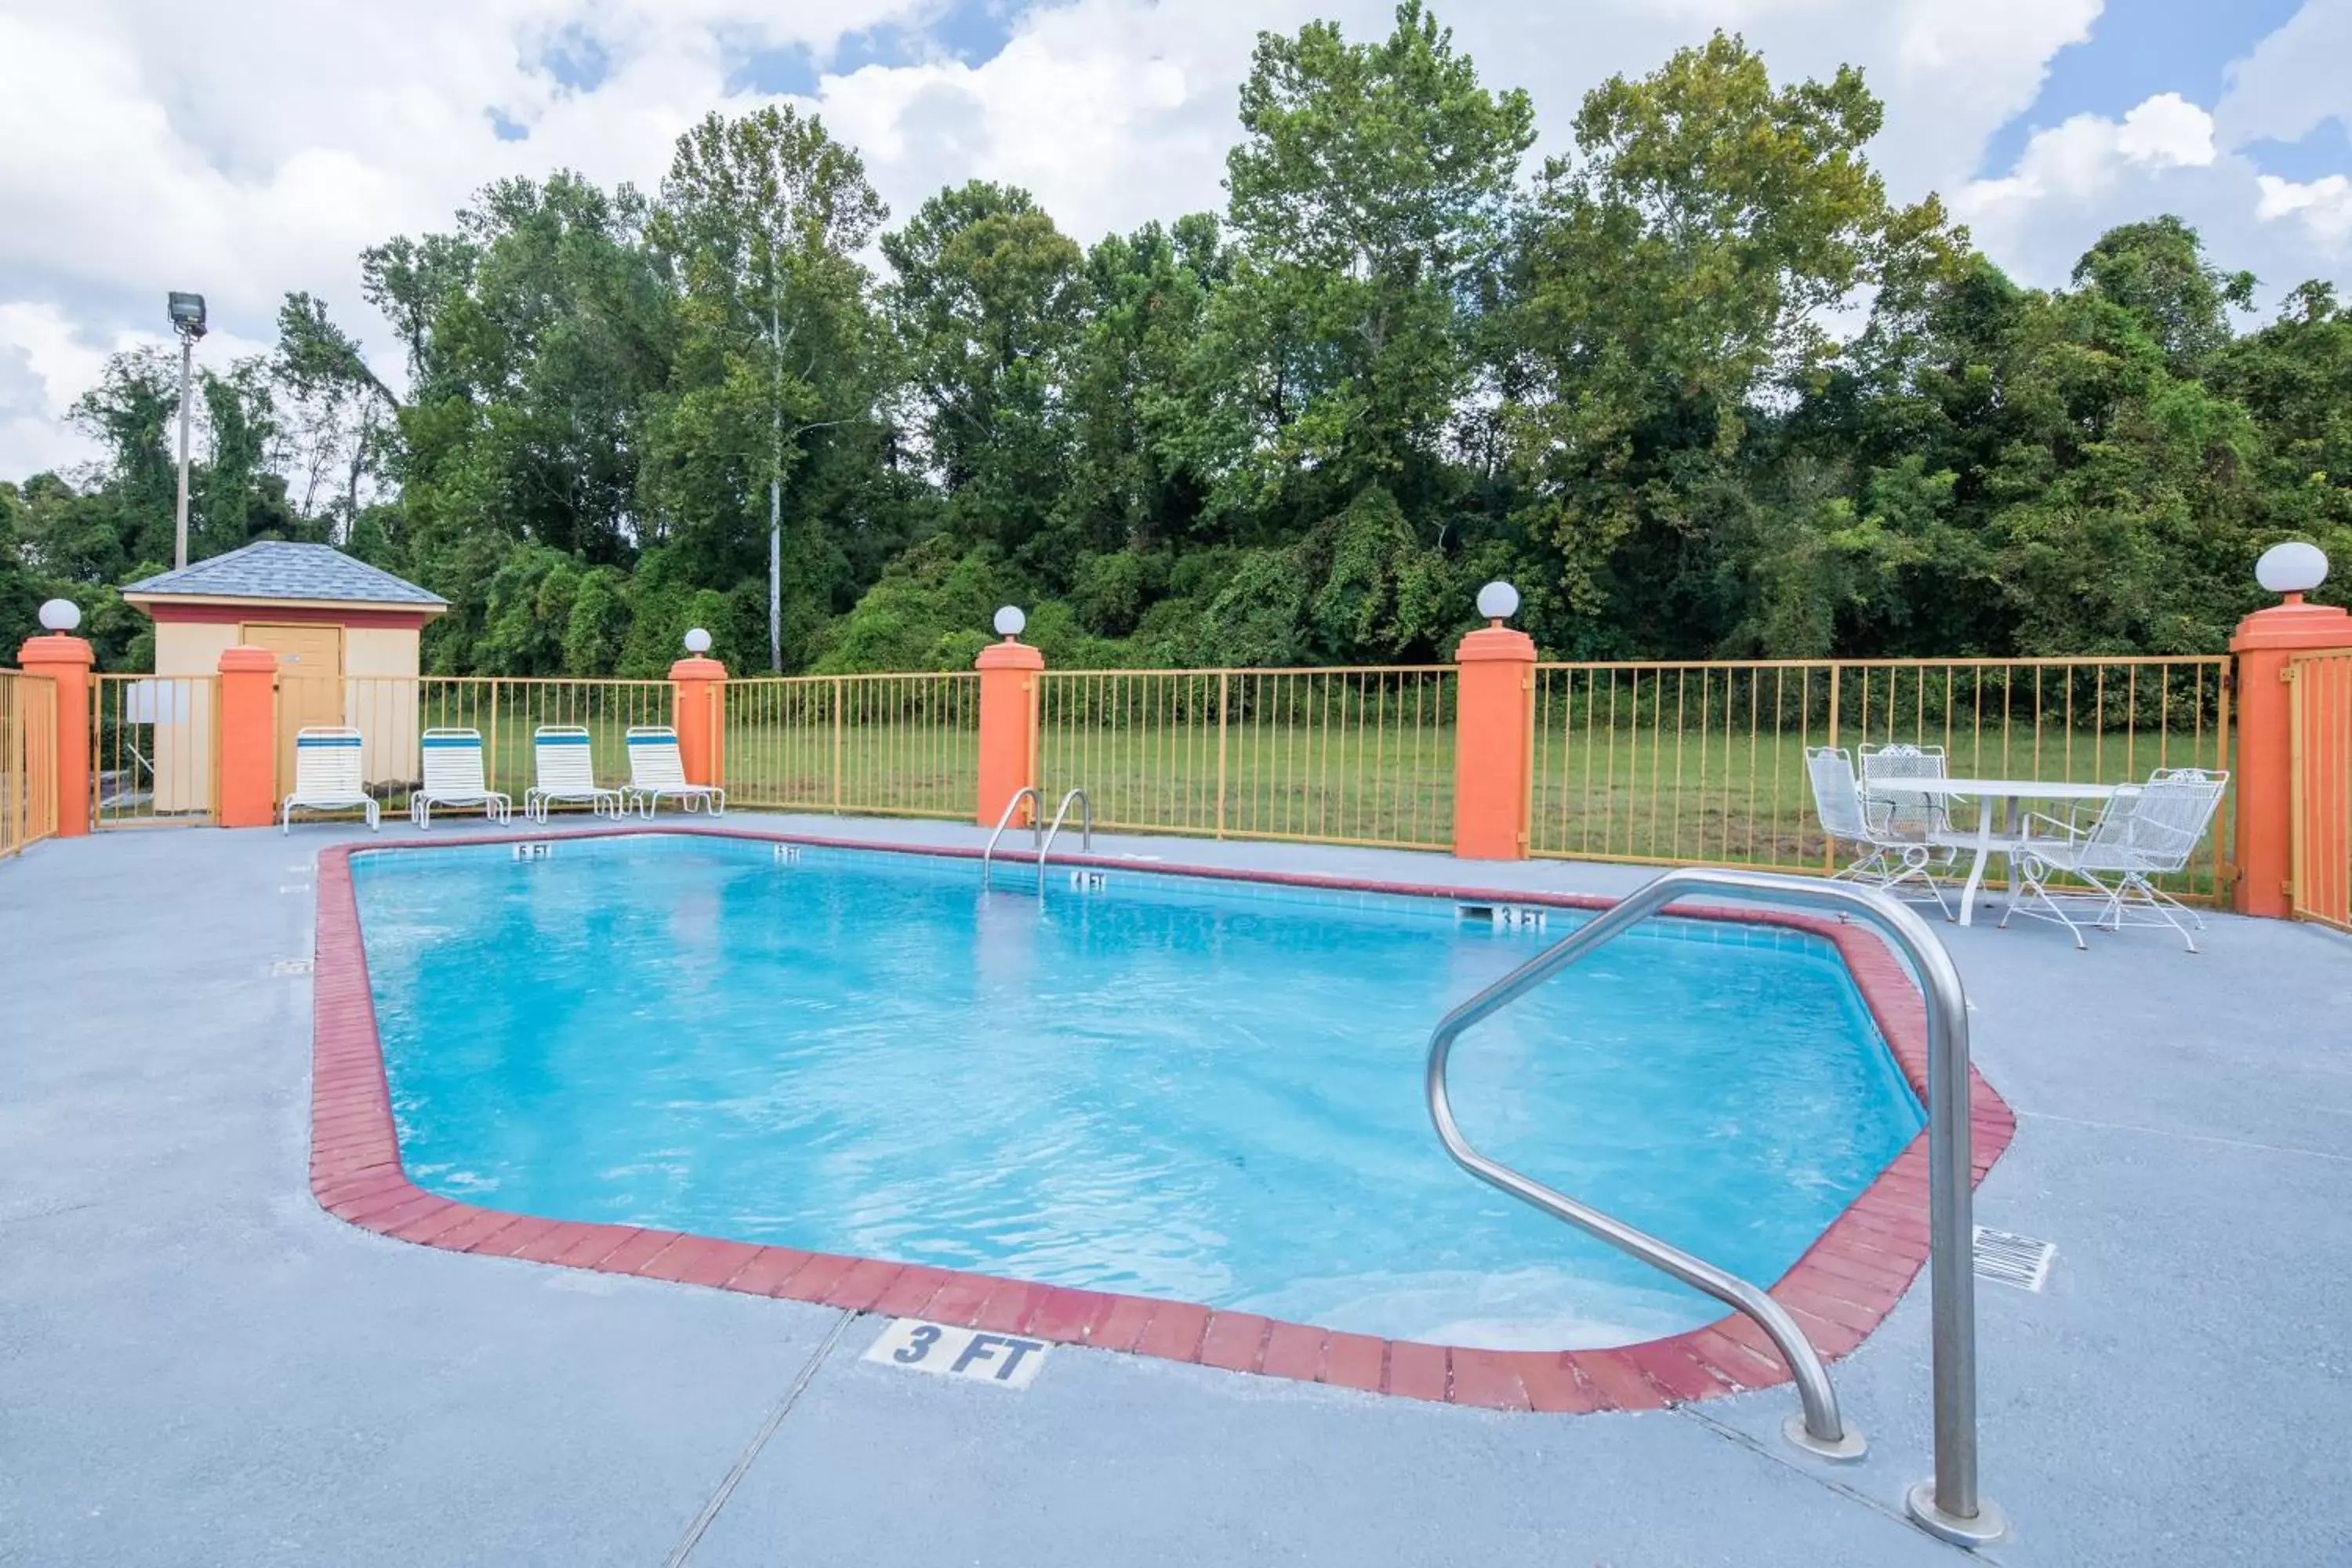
x=199 y=1365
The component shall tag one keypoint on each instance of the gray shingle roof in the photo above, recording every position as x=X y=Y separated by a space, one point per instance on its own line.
x=274 y=569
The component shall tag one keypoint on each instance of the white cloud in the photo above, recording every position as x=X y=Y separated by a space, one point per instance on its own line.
x=2074 y=181
x=47 y=360
x=2323 y=206
x=2294 y=81
x=2089 y=156
x=2166 y=131
x=261 y=150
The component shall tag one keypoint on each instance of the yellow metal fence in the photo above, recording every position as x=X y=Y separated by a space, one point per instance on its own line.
x=1674 y=764
x=155 y=754
x=29 y=773
x=2319 y=719
x=1339 y=756
x=1665 y=763
x=892 y=745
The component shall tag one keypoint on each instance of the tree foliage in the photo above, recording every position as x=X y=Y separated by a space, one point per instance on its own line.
x=1697 y=385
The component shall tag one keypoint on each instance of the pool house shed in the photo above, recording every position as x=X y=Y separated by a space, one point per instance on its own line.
x=330 y=619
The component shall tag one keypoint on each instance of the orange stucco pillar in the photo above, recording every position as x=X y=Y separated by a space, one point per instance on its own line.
x=697 y=712
x=1494 y=743
x=248 y=738
x=2266 y=641
x=65 y=660
x=1008 y=727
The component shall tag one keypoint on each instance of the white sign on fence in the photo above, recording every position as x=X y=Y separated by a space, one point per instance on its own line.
x=155 y=702
x=1006 y=1360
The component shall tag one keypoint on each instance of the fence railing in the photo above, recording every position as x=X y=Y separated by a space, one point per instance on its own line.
x=891 y=746
x=2319 y=719
x=29 y=773
x=1665 y=763
x=1339 y=756
x=1704 y=762
x=154 y=750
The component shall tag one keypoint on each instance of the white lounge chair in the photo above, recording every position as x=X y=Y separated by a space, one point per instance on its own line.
x=657 y=772
x=327 y=774
x=454 y=777
x=565 y=763
x=1892 y=858
x=2145 y=830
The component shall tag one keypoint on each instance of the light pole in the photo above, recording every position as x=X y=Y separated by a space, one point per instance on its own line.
x=188 y=321
x=776 y=498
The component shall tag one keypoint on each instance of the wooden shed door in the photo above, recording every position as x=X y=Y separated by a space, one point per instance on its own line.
x=310 y=683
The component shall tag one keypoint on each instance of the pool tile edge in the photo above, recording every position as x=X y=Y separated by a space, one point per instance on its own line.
x=1839 y=1290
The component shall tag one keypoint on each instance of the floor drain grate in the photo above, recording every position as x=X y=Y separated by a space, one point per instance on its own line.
x=290 y=966
x=2012 y=1259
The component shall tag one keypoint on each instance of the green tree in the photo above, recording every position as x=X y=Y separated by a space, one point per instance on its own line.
x=336 y=411
x=2294 y=379
x=1369 y=200
x=2156 y=270
x=532 y=367
x=985 y=293
x=1678 y=268
x=758 y=228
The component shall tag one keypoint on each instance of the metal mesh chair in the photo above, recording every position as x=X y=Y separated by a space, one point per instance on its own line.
x=1921 y=817
x=2145 y=830
x=1894 y=857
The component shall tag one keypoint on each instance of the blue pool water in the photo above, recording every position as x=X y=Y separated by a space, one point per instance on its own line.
x=1170 y=1087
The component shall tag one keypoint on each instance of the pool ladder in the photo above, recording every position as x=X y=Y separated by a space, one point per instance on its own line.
x=1044 y=836
x=1947 y=1504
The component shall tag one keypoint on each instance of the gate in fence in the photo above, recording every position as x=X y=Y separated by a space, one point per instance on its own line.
x=154 y=750
x=2319 y=730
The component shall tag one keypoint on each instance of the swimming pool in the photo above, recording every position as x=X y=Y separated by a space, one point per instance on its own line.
x=1158 y=1085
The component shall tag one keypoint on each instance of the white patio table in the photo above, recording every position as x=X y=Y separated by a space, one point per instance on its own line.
x=2008 y=794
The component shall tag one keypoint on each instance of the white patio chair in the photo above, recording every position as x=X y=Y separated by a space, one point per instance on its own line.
x=454 y=777
x=1893 y=859
x=564 y=761
x=2145 y=830
x=327 y=774
x=1925 y=818
x=657 y=772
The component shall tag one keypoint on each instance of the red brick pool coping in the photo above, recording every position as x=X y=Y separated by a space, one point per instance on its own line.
x=1848 y=1280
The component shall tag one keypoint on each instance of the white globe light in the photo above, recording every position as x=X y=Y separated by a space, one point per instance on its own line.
x=1010 y=621
x=60 y=614
x=698 y=641
x=1498 y=601
x=2292 y=568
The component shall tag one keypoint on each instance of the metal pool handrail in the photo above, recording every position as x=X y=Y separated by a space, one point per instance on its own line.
x=1085 y=830
x=1026 y=792
x=1947 y=1506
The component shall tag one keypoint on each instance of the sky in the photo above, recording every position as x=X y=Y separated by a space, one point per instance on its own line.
x=245 y=148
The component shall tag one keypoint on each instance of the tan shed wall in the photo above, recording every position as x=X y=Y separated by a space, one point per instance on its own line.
x=184 y=748
x=379 y=699
x=380 y=683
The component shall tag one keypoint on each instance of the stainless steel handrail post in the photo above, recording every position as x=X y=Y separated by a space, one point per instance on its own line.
x=1026 y=792
x=1086 y=828
x=1949 y=1505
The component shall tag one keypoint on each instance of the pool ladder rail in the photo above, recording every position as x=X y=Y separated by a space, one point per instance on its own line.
x=1946 y=1505
x=1043 y=837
